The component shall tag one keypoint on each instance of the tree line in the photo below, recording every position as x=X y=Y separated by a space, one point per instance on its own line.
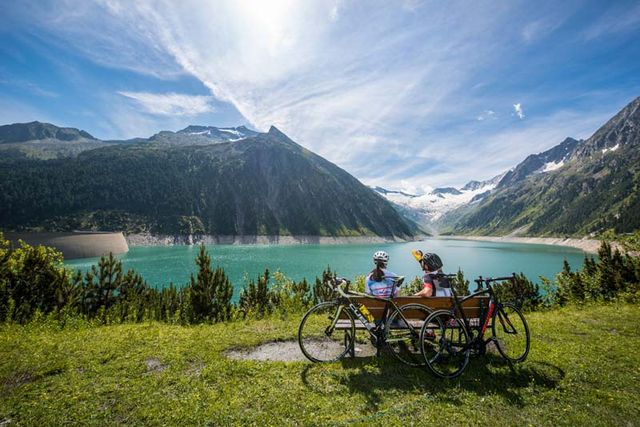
x=34 y=283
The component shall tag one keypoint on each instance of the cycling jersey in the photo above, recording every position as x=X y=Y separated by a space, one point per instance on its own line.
x=440 y=285
x=382 y=288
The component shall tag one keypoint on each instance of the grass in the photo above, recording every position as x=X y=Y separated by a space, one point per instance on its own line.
x=583 y=369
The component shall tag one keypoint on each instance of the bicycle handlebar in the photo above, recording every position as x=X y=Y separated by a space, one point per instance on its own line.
x=487 y=281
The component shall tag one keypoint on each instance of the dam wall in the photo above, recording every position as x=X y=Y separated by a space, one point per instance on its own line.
x=77 y=244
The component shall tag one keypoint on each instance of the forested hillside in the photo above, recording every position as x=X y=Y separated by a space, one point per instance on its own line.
x=184 y=183
x=597 y=188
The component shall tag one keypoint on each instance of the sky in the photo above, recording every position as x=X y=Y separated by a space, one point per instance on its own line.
x=408 y=95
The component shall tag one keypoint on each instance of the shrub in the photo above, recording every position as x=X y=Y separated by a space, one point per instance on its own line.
x=31 y=279
x=521 y=291
x=256 y=300
x=322 y=292
x=209 y=292
x=460 y=284
x=611 y=276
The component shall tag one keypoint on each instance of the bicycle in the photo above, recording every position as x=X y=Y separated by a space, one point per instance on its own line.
x=447 y=337
x=327 y=331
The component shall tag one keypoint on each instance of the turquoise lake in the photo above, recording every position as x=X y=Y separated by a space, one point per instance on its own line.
x=160 y=265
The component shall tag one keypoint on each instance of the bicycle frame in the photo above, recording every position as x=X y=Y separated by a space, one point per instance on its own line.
x=486 y=317
x=377 y=332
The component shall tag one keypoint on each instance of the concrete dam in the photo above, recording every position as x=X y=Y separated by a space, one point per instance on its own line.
x=76 y=244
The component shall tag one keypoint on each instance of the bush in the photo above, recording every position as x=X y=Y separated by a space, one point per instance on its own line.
x=256 y=300
x=611 y=276
x=32 y=279
x=460 y=284
x=521 y=291
x=322 y=292
x=209 y=292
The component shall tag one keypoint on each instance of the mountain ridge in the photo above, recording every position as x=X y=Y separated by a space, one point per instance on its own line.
x=262 y=184
x=596 y=190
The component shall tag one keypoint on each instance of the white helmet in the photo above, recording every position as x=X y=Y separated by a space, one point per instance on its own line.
x=381 y=256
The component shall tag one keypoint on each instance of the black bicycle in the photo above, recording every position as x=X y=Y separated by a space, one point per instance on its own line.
x=448 y=337
x=328 y=330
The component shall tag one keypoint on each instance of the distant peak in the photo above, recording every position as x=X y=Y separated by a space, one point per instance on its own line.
x=20 y=132
x=275 y=131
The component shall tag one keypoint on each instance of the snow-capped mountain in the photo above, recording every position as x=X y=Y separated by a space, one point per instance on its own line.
x=223 y=134
x=203 y=135
x=429 y=207
x=546 y=161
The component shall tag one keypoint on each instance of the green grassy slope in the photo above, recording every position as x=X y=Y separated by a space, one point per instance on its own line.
x=583 y=369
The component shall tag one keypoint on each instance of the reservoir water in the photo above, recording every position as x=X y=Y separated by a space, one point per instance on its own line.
x=161 y=265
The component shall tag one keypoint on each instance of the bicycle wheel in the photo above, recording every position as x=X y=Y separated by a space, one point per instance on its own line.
x=404 y=339
x=444 y=342
x=322 y=337
x=510 y=333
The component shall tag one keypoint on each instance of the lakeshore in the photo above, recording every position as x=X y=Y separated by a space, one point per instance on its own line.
x=587 y=245
x=170 y=240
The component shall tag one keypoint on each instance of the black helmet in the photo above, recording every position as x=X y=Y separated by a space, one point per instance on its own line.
x=431 y=261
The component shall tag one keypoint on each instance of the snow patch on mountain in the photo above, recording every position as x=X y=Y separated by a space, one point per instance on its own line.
x=431 y=206
x=610 y=149
x=551 y=166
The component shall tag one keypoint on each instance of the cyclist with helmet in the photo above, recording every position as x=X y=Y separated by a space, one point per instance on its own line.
x=433 y=284
x=379 y=281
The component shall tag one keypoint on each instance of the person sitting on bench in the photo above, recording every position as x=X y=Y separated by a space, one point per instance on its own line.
x=433 y=284
x=380 y=281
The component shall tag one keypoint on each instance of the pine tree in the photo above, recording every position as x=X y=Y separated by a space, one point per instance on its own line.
x=209 y=292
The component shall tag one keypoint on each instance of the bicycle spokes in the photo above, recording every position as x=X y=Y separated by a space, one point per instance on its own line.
x=445 y=344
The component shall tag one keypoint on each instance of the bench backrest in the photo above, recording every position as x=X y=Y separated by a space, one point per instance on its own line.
x=472 y=307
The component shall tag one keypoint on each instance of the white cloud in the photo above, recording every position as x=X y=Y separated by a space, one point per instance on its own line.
x=517 y=109
x=171 y=104
x=486 y=115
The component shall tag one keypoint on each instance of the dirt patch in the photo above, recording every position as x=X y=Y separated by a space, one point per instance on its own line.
x=154 y=365
x=285 y=351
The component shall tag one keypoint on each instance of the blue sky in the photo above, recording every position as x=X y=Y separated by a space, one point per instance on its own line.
x=404 y=94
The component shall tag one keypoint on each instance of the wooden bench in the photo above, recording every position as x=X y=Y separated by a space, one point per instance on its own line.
x=473 y=309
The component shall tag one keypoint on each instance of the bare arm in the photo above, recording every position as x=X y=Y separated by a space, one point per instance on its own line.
x=427 y=291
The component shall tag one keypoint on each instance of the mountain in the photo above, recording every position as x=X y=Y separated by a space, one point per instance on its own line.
x=447 y=190
x=588 y=187
x=38 y=140
x=248 y=183
x=203 y=135
x=546 y=161
x=23 y=132
x=427 y=209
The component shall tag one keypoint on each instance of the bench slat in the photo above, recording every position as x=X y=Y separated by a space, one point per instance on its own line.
x=345 y=324
x=472 y=307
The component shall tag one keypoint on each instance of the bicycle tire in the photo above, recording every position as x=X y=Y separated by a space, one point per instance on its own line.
x=317 y=341
x=507 y=324
x=444 y=343
x=404 y=342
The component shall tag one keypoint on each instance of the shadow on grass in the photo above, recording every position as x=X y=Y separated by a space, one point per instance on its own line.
x=373 y=378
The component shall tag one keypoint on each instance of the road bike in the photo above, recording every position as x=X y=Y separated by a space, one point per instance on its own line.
x=449 y=337
x=327 y=331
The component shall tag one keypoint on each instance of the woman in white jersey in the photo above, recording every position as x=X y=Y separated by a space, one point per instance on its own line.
x=380 y=281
